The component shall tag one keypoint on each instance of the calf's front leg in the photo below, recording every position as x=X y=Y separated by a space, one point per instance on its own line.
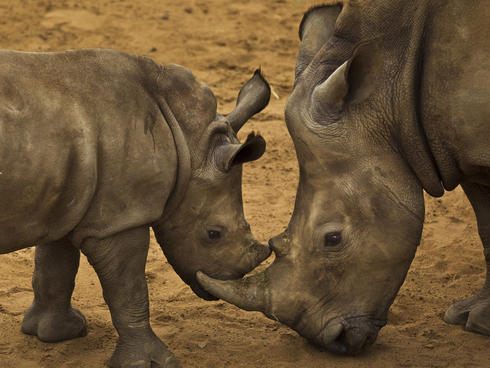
x=119 y=262
x=474 y=312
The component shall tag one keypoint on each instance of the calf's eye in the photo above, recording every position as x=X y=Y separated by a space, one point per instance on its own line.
x=333 y=239
x=214 y=234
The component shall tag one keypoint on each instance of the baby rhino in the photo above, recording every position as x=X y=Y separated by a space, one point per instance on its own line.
x=96 y=147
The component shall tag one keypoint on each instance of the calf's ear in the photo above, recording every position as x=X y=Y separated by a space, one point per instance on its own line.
x=353 y=81
x=228 y=154
x=253 y=98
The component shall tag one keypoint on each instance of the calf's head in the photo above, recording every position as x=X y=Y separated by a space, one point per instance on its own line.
x=358 y=214
x=206 y=230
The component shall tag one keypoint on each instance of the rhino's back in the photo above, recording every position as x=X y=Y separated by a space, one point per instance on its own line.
x=455 y=97
x=81 y=147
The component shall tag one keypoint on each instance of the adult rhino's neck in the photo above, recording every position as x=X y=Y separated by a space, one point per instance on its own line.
x=454 y=91
x=398 y=26
x=408 y=127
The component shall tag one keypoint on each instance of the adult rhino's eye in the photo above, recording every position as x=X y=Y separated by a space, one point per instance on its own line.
x=214 y=234
x=333 y=239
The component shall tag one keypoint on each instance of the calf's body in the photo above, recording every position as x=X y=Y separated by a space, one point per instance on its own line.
x=85 y=151
x=96 y=147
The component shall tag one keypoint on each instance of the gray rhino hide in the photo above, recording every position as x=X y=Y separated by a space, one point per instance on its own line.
x=391 y=97
x=84 y=147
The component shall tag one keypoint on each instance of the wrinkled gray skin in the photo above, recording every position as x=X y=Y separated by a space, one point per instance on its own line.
x=391 y=98
x=96 y=146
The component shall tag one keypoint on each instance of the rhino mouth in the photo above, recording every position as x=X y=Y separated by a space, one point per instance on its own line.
x=349 y=336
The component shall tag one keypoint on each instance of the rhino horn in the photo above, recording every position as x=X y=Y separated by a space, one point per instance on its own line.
x=253 y=98
x=249 y=293
x=353 y=81
x=334 y=90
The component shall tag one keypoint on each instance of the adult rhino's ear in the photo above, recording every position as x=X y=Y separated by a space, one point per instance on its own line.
x=352 y=82
x=228 y=154
x=253 y=98
x=316 y=28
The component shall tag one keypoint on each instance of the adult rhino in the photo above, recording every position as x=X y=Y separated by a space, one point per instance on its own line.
x=391 y=98
x=96 y=146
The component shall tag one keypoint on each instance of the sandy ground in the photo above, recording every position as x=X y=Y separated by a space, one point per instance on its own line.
x=222 y=42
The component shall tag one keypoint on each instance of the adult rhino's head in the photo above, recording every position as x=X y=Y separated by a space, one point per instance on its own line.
x=204 y=228
x=359 y=208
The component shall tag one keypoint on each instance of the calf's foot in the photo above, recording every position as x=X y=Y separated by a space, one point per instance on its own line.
x=141 y=352
x=51 y=325
x=473 y=313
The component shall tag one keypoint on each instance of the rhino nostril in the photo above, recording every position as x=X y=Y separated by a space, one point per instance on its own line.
x=356 y=340
x=271 y=245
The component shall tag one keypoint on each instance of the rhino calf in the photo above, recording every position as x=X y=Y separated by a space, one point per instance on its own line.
x=96 y=147
x=391 y=98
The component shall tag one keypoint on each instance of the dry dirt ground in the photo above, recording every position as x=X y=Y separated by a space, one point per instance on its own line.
x=222 y=42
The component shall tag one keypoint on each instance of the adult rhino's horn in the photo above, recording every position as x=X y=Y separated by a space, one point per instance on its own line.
x=332 y=92
x=249 y=293
x=253 y=98
x=353 y=81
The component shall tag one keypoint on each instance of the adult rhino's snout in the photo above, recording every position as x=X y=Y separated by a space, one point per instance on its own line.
x=279 y=244
x=350 y=336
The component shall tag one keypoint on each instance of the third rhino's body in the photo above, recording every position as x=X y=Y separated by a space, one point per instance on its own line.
x=391 y=98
